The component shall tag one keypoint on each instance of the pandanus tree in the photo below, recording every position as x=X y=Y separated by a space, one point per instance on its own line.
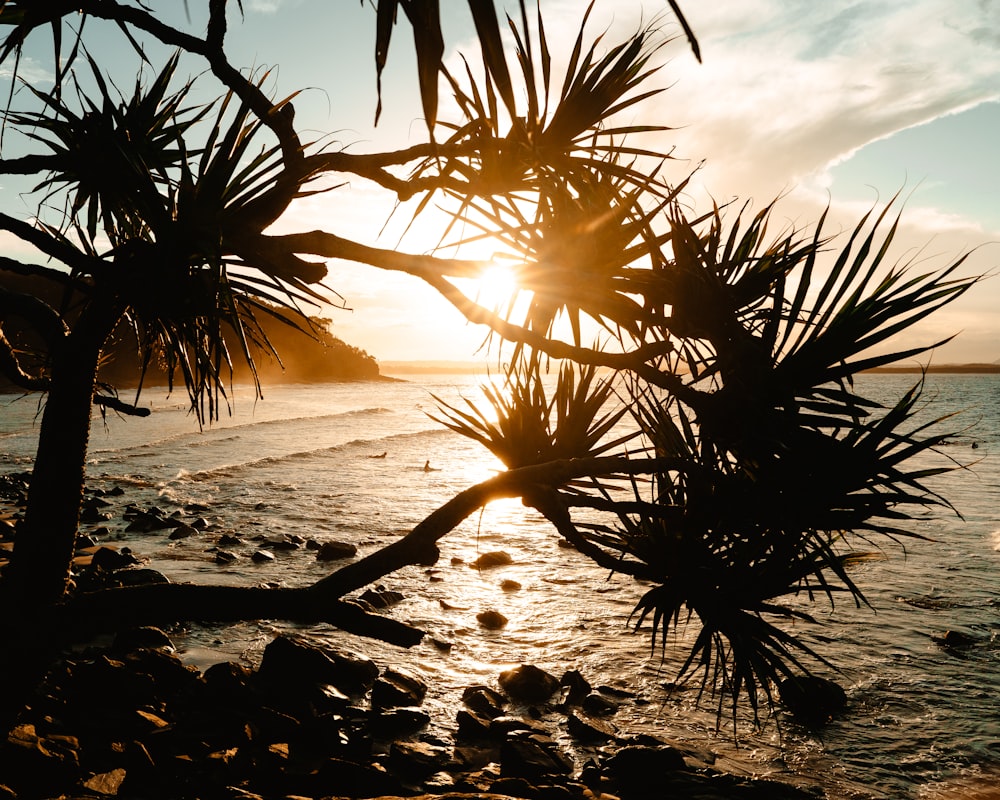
x=719 y=397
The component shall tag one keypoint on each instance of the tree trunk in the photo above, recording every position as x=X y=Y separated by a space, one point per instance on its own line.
x=46 y=538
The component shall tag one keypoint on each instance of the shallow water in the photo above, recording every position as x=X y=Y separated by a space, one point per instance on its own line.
x=922 y=722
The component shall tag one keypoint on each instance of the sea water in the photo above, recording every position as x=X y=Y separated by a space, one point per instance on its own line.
x=922 y=721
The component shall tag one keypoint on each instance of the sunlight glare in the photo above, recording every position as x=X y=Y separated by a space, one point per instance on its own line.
x=497 y=286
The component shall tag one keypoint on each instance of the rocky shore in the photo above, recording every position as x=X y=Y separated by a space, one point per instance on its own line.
x=130 y=719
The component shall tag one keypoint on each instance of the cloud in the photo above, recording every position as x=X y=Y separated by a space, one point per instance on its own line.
x=790 y=89
x=29 y=70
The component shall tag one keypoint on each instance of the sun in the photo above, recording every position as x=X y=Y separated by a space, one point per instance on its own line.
x=497 y=286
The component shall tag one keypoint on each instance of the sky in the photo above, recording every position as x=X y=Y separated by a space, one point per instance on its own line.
x=840 y=104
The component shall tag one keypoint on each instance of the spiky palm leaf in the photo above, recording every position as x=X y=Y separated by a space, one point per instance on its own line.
x=782 y=455
x=114 y=157
x=527 y=427
x=188 y=259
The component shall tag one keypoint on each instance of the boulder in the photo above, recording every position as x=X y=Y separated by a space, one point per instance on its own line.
x=484 y=701
x=532 y=756
x=491 y=619
x=471 y=725
x=334 y=551
x=183 y=531
x=528 y=684
x=109 y=559
x=631 y=767
x=597 y=705
x=811 y=699
x=380 y=597
x=417 y=759
x=396 y=688
x=397 y=722
x=577 y=687
x=588 y=730
x=288 y=661
x=137 y=577
x=495 y=558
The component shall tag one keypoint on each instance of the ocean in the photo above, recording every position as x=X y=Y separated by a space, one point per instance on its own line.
x=923 y=719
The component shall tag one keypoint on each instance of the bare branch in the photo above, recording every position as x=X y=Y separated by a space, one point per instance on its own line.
x=10 y=366
x=419 y=546
x=164 y=603
x=115 y=404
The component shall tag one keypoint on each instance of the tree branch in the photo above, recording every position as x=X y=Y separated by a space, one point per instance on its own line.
x=43 y=319
x=10 y=366
x=163 y=603
x=51 y=246
x=419 y=546
x=115 y=404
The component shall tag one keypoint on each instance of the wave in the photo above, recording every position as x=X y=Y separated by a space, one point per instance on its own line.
x=364 y=446
x=211 y=436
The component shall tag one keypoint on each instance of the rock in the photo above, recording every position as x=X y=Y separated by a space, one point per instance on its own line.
x=577 y=687
x=528 y=684
x=811 y=699
x=225 y=557
x=182 y=531
x=632 y=767
x=532 y=756
x=496 y=558
x=262 y=557
x=597 y=705
x=287 y=660
x=380 y=597
x=500 y=727
x=397 y=688
x=397 y=722
x=472 y=726
x=139 y=638
x=91 y=514
x=956 y=640
x=344 y=778
x=137 y=577
x=109 y=559
x=585 y=729
x=491 y=619
x=509 y=585
x=284 y=543
x=417 y=759
x=230 y=683
x=148 y=521
x=483 y=700
x=334 y=551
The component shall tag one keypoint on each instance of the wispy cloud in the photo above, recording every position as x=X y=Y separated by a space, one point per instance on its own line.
x=787 y=89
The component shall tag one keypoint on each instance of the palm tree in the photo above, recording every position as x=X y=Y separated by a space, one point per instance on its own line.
x=180 y=266
x=730 y=355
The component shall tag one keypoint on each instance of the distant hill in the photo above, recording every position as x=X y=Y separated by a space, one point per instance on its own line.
x=433 y=367
x=305 y=359
x=942 y=369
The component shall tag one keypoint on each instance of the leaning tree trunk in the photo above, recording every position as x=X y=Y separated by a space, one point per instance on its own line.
x=45 y=542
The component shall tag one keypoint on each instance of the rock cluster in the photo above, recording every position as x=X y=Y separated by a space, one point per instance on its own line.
x=132 y=720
